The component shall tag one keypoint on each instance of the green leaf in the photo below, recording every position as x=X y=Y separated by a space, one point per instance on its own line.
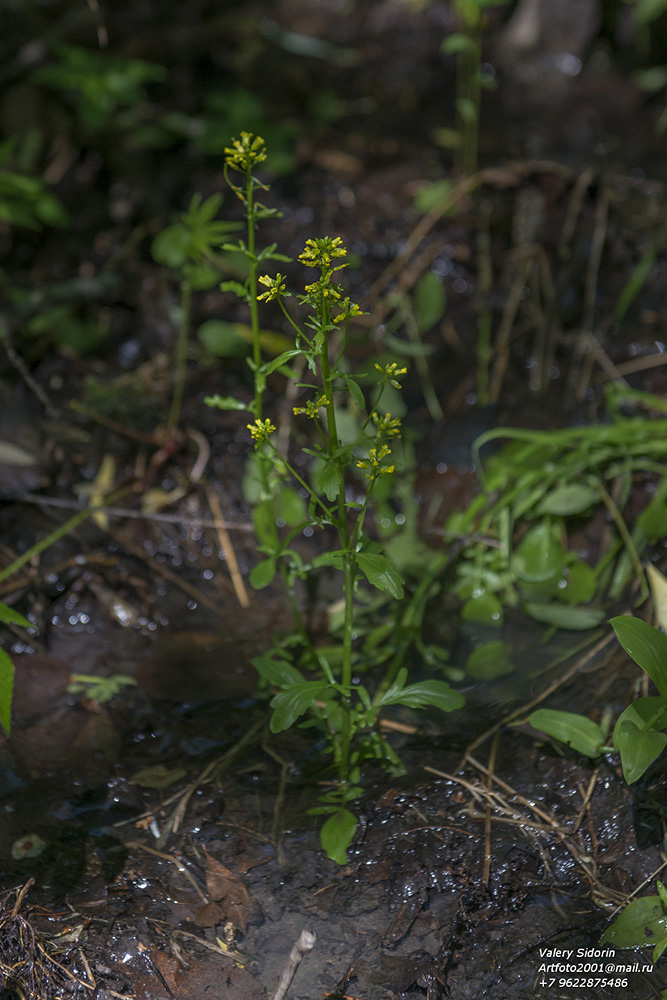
x=262 y=574
x=290 y=506
x=293 y=702
x=328 y=481
x=221 y=339
x=6 y=690
x=264 y=522
x=337 y=834
x=236 y=288
x=561 y=616
x=570 y=499
x=225 y=402
x=356 y=392
x=483 y=609
x=381 y=573
x=436 y=693
x=491 y=660
x=581 y=583
x=639 y=748
x=540 y=555
x=641 y=922
x=642 y=711
x=280 y=360
x=278 y=673
x=453 y=44
x=646 y=645
x=430 y=300
x=579 y=732
x=11 y=617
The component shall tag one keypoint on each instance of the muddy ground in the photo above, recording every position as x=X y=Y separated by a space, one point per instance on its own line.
x=166 y=831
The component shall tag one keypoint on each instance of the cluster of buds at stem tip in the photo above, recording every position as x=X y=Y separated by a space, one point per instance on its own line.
x=390 y=373
x=245 y=152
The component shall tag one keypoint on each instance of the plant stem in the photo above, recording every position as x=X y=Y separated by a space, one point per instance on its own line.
x=181 y=357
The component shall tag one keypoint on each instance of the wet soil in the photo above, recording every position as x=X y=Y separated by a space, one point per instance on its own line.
x=166 y=832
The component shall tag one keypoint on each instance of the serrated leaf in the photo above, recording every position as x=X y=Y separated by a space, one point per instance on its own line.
x=337 y=834
x=579 y=732
x=290 y=704
x=574 y=619
x=639 y=748
x=328 y=481
x=262 y=574
x=646 y=645
x=11 y=617
x=381 y=573
x=570 y=499
x=6 y=691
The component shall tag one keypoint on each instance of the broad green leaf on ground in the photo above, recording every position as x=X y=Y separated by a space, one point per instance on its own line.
x=646 y=645
x=563 y=616
x=278 y=673
x=639 y=748
x=540 y=555
x=642 y=922
x=6 y=689
x=642 y=711
x=579 y=732
x=491 y=660
x=290 y=704
x=337 y=833
x=381 y=573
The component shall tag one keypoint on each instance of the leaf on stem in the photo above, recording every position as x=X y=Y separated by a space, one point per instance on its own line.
x=578 y=731
x=337 y=833
x=646 y=645
x=381 y=573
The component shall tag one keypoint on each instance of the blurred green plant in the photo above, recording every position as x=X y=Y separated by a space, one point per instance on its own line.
x=24 y=199
x=98 y=85
x=190 y=248
x=471 y=78
x=323 y=687
x=518 y=553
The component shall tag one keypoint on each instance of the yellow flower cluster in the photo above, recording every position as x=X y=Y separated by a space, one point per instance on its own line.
x=374 y=463
x=311 y=409
x=348 y=309
x=387 y=425
x=320 y=252
x=276 y=287
x=390 y=372
x=245 y=151
x=261 y=430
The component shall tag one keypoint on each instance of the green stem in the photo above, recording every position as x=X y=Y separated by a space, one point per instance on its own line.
x=181 y=357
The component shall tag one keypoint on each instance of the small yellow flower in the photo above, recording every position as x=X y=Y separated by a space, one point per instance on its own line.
x=245 y=151
x=261 y=430
x=311 y=409
x=374 y=462
x=276 y=287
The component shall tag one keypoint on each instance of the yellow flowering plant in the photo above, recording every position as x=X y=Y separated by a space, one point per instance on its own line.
x=323 y=691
